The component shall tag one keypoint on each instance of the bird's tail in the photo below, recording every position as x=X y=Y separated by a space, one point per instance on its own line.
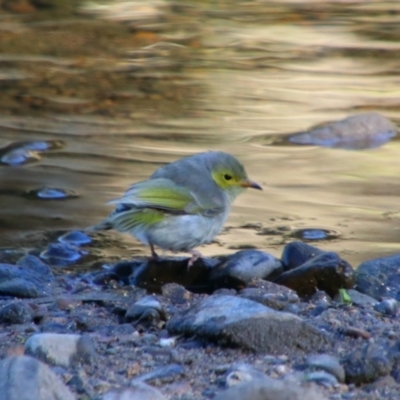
x=101 y=226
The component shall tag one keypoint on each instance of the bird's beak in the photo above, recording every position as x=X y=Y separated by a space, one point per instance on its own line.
x=250 y=184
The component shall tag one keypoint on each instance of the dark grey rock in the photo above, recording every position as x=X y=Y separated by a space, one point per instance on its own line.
x=328 y=363
x=379 y=278
x=147 y=308
x=270 y=389
x=60 y=349
x=62 y=254
x=362 y=131
x=16 y=312
x=29 y=279
x=137 y=391
x=327 y=272
x=297 y=253
x=155 y=273
x=236 y=270
x=368 y=362
x=25 y=378
x=245 y=323
x=76 y=238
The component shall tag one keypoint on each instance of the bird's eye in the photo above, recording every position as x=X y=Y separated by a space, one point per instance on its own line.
x=227 y=177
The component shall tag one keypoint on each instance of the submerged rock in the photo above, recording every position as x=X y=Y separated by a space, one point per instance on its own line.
x=362 y=131
x=297 y=253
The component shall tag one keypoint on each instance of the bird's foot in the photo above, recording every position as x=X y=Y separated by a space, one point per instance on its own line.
x=154 y=255
x=195 y=256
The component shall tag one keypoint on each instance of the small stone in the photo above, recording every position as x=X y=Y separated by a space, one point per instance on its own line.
x=137 y=391
x=62 y=254
x=357 y=298
x=241 y=372
x=147 y=308
x=164 y=373
x=16 y=312
x=327 y=363
x=76 y=238
x=322 y=378
x=60 y=349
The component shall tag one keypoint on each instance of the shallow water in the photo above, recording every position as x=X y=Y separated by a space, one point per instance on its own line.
x=122 y=96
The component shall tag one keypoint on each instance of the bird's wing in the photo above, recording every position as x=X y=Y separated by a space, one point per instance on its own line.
x=164 y=195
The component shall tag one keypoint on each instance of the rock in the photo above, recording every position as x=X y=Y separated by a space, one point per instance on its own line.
x=24 y=378
x=269 y=389
x=138 y=391
x=322 y=378
x=236 y=270
x=153 y=274
x=76 y=238
x=148 y=309
x=368 y=362
x=164 y=373
x=327 y=272
x=378 y=278
x=362 y=131
x=240 y=372
x=245 y=323
x=60 y=349
x=297 y=253
x=176 y=294
x=328 y=363
x=388 y=307
x=270 y=294
x=357 y=298
x=62 y=254
x=28 y=279
x=16 y=312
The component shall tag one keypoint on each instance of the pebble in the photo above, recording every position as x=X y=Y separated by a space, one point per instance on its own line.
x=328 y=363
x=76 y=238
x=297 y=253
x=389 y=307
x=16 y=312
x=137 y=391
x=61 y=349
x=241 y=372
x=62 y=254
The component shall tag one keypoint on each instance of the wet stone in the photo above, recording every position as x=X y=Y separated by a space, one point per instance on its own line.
x=362 y=131
x=16 y=312
x=153 y=274
x=61 y=349
x=62 y=254
x=236 y=270
x=357 y=298
x=25 y=378
x=379 y=278
x=327 y=272
x=76 y=238
x=297 y=253
x=315 y=234
x=368 y=362
x=240 y=322
x=322 y=378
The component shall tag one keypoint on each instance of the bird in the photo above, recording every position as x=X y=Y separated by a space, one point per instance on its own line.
x=182 y=205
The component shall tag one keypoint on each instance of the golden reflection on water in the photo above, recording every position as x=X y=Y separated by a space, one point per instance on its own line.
x=205 y=77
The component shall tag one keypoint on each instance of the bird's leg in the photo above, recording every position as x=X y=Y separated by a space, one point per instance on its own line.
x=154 y=255
x=195 y=256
